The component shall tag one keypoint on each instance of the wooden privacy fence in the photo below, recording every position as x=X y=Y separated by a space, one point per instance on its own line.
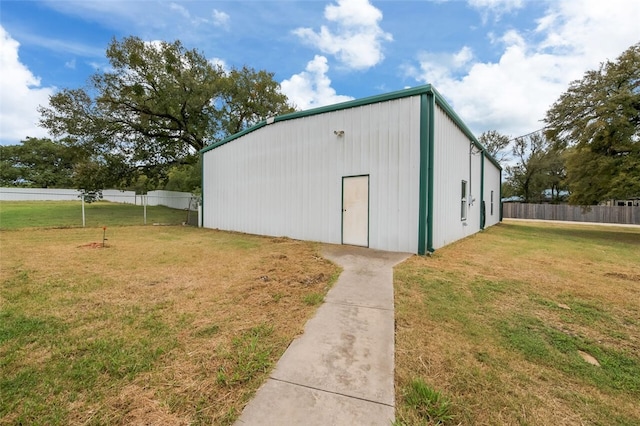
x=600 y=214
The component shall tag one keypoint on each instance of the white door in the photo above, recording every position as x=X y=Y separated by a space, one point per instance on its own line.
x=355 y=210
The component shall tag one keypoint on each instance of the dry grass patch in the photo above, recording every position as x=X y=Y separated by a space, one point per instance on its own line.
x=165 y=325
x=497 y=322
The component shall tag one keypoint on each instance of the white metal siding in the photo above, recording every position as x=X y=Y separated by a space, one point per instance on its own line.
x=491 y=183
x=285 y=179
x=452 y=166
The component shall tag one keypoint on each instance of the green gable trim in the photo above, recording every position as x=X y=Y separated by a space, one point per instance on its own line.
x=233 y=137
x=414 y=91
x=451 y=113
x=329 y=108
x=358 y=102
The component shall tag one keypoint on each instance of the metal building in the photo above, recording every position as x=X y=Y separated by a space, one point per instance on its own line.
x=396 y=172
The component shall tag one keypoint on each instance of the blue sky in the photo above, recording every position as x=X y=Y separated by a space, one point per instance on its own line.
x=500 y=63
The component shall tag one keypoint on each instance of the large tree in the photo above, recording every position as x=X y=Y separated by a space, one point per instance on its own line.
x=158 y=104
x=496 y=144
x=37 y=162
x=597 y=123
x=249 y=97
x=527 y=177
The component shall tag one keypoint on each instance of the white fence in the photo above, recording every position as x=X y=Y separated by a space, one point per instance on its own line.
x=38 y=194
x=172 y=199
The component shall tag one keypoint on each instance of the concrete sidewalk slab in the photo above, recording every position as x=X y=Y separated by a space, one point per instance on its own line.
x=281 y=403
x=340 y=371
x=342 y=351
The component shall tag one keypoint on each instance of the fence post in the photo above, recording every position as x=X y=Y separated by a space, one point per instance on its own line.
x=83 y=220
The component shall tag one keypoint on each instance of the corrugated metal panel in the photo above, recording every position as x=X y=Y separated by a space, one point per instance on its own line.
x=454 y=161
x=285 y=178
x=491 y=183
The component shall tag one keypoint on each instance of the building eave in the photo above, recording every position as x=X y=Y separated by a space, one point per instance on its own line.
x=414 y=91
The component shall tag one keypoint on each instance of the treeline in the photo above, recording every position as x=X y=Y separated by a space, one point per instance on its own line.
x=589 y=150
x=44 y=163
x=141 y=124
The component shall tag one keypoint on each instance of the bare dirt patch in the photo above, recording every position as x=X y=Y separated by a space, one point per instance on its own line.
x=94 y=245
x=623 y=276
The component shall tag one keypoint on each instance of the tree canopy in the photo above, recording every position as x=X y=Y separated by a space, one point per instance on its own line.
x=157 y=105
x=596 y=124
x=36 y=162
x=496 y=144
x=538 y=168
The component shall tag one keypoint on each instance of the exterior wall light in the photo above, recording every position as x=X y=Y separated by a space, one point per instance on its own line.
x=338 y=133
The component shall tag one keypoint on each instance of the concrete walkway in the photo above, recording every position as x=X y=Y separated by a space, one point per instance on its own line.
x=340 y=371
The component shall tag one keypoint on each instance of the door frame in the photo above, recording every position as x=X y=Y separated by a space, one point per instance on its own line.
x=368 y=206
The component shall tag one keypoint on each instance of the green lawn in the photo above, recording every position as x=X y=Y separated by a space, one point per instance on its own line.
x=178 y=325
x=166 y=325
x=64 y=214
x=494 y=329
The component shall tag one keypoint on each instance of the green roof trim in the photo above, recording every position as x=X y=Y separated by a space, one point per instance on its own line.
x=432 y=141
x=440 y=101
x=423 y=198
x=201 y=190
x=405 y=93
x=427 y=142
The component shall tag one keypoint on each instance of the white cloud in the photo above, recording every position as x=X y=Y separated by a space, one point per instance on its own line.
x=220 y=19
x=180 y=9
x=497 y=8
x=356 y=37
x=513 y=94
x=218 y=62
x=497 y=5
x=71 y=64
x=20 y=95
x=63 y=46
x=312 y=88
x=193 y=20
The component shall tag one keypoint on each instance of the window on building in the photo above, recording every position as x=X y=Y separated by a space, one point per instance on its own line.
x=463 y=201
x=491 y=203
